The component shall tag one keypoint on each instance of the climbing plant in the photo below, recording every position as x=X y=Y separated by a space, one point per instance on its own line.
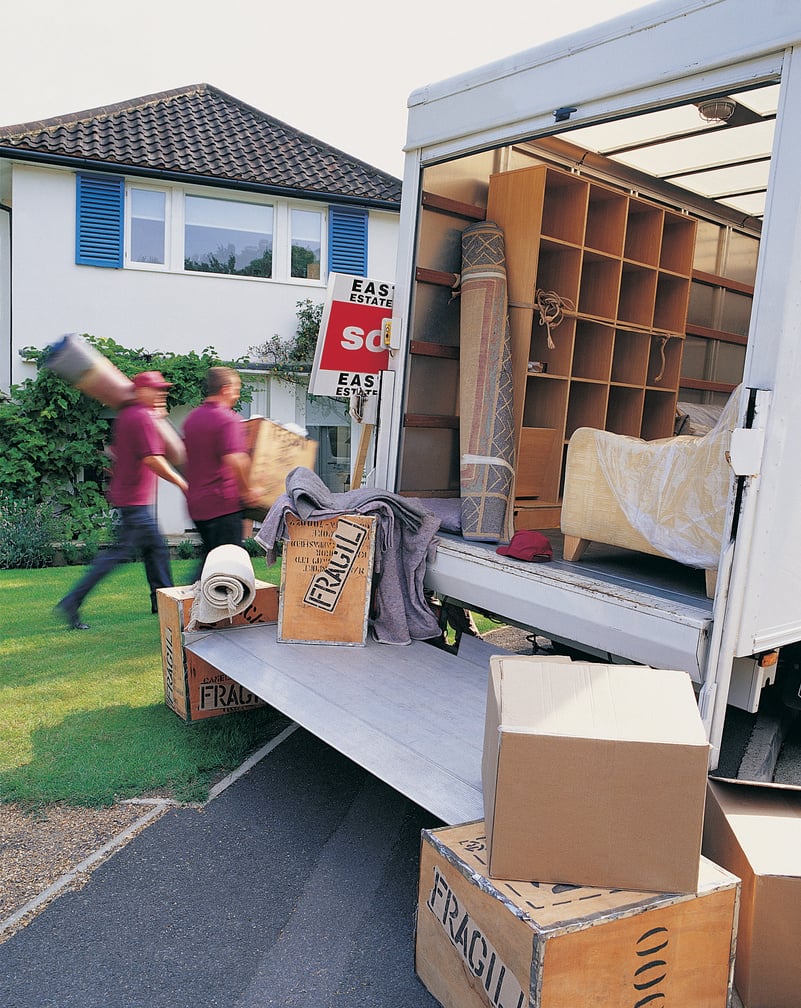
x=297 y=354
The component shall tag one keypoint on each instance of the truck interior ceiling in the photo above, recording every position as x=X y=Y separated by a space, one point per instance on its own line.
x=631 y=252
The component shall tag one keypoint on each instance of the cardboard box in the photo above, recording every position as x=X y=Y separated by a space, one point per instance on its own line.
x=193 y=688
x=754 y=830
x=481 y=941
x=593 y=774
x=274 y=453
x=326 y=580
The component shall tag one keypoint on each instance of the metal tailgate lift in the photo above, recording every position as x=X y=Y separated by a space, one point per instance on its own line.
x=412 y=715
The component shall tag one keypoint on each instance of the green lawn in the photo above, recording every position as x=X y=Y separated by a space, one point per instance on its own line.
x=82 y=713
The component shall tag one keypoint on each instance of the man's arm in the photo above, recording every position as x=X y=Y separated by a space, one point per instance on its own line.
x=239 y=464
x=161 y=467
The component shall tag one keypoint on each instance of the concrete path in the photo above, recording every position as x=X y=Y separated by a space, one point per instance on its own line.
x=296 y=886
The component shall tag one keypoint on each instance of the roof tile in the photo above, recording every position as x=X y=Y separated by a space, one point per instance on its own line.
x=200 y=130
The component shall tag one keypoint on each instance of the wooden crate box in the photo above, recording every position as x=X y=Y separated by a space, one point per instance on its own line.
x=193 y=688
x=481 y=941
x=326 y=579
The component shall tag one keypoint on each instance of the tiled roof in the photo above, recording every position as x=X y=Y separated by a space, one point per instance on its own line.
x=204 y=132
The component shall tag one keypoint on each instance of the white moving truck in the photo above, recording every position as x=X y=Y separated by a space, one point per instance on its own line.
x=647 y=175
x=656 y=161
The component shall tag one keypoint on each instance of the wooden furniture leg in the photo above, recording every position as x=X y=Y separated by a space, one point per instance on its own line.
x=574 y=547
x=711 y=581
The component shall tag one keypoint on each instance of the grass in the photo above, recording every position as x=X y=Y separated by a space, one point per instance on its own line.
x=82 y=713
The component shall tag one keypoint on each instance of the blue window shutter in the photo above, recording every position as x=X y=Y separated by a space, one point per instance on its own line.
x=99 y=220
x=347 y=240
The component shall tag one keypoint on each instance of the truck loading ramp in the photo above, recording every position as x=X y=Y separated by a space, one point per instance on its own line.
x=412 y=715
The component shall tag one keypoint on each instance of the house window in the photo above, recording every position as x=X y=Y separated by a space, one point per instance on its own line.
x=226 y=236
x=306 y=227
x=132 y=224
x=147 y=226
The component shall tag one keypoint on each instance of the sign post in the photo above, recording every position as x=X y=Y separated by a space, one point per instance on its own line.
x=353 y=349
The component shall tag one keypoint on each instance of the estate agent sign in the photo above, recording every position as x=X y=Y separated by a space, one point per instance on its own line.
x=351 y=350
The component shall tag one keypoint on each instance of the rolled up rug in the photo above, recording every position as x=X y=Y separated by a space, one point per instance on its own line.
x=226 y=587
x=74 y=359
x=486 y=389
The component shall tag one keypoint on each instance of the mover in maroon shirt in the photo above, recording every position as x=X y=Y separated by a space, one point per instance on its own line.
x=139 y=461
x=217 y=464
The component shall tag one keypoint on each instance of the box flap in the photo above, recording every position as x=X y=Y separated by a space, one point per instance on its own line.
x=584 y=700
x=766 y=823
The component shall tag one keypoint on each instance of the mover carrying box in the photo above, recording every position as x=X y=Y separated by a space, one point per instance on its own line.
x=480 y=941
x=593 y=774
x=755 y=831
x=193 y=688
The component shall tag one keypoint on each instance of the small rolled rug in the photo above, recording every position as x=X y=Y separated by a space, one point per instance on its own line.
x=226 y=588
x=486 y=391
x=74 y=359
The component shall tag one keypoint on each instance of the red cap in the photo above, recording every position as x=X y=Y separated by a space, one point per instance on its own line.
x=151 y=379
x=528 y=545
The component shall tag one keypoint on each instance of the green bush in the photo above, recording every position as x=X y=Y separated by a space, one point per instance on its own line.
x=69 y=550
x=79 y=553
x=253 y=548
x=28 y=531
x=186 y=549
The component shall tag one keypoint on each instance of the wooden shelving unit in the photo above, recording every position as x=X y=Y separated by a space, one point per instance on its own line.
x=624 y=264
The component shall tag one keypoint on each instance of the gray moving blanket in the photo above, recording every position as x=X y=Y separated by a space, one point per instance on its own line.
x=405 y=538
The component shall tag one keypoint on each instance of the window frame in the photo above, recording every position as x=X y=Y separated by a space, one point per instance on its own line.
x=167 y=192
x=308 y=207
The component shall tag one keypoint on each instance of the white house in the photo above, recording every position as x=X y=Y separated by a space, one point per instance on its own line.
x=183 y=220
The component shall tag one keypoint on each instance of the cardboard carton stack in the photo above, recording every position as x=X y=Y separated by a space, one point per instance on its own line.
x=585 y=884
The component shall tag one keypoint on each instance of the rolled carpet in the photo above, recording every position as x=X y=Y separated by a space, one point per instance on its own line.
x=486 y=392
x=226 y=588
x=74 y=359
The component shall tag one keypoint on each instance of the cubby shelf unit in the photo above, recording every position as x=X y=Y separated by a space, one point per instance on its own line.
x=621 y=266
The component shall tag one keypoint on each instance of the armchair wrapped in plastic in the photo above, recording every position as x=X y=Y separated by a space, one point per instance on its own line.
x=665 y=497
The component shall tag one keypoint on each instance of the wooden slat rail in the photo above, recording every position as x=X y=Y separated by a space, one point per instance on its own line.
x=431 y=201
x=716 y=334
x=714 y=280
x=431 y=420
x=437 y=277
x=706 y=386
x=423 y=348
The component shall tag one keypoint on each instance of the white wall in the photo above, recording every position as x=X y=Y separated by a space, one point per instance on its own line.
x=5 y=300
x=139 y=307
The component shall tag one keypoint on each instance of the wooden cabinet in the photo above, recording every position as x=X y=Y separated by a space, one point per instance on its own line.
x=621 y=266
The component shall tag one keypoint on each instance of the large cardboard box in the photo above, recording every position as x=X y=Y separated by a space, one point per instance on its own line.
x=754 y=830
x=480 y=941
x=193 y=688
x=274 y=453
x=593 y=774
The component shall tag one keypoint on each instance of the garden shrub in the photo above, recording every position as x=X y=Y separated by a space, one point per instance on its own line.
x=186 y=549
x=28 y=532
x=253 y=548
